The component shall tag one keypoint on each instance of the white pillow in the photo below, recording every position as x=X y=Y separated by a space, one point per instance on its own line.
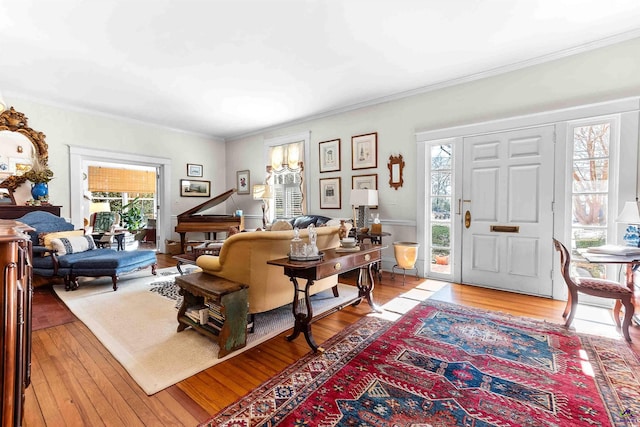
x=73 y=244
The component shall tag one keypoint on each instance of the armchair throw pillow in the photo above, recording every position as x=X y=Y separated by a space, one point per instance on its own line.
x=73 y=244
x=45 y=238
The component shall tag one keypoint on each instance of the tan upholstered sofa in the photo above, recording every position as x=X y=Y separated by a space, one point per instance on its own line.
x=243 y=259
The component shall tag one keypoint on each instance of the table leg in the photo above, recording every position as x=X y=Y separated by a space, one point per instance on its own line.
x=303 y=314
x=365 y=287
x=635 y=299
x=179 y=267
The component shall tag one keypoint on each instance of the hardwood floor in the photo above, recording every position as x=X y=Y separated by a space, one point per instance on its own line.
x=75 y=381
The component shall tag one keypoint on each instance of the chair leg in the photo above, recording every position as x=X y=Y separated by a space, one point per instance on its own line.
x=567 y=307
x=573 y=295
x=616 y=312
x=628 y=315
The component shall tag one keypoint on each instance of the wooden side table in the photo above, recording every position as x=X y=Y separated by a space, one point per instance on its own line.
x=227 y=303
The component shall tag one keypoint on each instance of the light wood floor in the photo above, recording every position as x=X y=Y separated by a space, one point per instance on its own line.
x=76 y=381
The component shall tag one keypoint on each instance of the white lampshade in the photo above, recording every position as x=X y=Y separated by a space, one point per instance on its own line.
x=364 y=197
x=99 y=207
x=3 y=105
x=261 y=192
x=630 y=214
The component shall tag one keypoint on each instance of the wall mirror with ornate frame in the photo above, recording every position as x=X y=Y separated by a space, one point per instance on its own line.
x=396 y=166
x=19 y=145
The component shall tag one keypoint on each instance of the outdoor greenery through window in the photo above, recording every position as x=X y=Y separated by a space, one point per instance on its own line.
x=440 y=201
x=590 y=192
x=117 y=200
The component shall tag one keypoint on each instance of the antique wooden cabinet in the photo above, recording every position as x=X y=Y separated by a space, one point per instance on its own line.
x=15 y=326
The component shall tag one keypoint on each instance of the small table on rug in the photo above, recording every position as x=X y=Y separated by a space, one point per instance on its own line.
x=103 y=240
x=374 y=238
x=334 y=261
x=629 y=260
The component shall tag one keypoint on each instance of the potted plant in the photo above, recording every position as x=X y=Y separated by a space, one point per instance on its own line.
x=132 y=216
x=39 y=175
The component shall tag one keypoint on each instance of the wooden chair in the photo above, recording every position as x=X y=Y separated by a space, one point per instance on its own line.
x=597 y=287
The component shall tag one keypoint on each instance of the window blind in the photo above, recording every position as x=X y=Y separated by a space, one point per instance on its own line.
x=121 y=180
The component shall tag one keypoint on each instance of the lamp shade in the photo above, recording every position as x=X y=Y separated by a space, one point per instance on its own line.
x=99 y=207
x=261 y=191
x=630 y=214
x=364 y=197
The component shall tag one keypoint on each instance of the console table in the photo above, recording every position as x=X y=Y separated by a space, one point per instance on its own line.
x=333 y=262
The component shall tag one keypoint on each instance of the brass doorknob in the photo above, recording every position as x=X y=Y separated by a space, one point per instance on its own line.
x=467 y=219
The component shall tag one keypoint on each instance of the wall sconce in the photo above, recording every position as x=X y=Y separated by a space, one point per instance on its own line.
x=263 y=192
x=363 y=198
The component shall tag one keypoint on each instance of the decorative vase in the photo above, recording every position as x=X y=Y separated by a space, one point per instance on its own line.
x=39 y=191
x=342 y=231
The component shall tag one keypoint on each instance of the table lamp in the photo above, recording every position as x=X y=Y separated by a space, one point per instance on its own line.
x=363 y=198
x=263 y=192
x=630 y=215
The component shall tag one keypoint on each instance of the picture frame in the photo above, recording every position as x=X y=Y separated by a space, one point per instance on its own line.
x=329 y=155
x=243 y=184
x=369 y=181
x=195 y=188
x=364 y=151
x=194 y=170
x=330 y=193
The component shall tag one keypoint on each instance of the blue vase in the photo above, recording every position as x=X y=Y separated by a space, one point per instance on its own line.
x=39 y=191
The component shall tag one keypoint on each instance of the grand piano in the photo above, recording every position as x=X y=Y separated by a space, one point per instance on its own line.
x=195 y=220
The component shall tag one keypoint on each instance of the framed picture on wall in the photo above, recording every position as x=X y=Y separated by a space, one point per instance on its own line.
x=369 y=182
x=330 y=197
x=364 y=151
x=330 y=156
x=242 y=182
x=194 y=170
x=195 y=188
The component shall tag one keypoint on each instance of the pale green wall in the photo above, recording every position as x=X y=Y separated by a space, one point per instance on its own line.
x=600 y=75
x=596 y=76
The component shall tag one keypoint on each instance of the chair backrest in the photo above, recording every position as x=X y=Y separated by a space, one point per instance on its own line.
x=565 y=263
x=102 y=221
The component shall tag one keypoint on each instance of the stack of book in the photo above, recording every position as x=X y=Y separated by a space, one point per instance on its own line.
x=215 y=317
x=197 y=313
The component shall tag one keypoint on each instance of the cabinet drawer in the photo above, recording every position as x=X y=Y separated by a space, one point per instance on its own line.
x=342 y=264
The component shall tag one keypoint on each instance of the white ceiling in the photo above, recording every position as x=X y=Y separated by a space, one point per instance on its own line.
x=226 y=68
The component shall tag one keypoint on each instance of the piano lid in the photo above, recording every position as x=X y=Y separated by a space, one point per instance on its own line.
x=208 y=204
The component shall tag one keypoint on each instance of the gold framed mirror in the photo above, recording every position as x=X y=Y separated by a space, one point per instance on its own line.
x=396 y=166
x=19 y=145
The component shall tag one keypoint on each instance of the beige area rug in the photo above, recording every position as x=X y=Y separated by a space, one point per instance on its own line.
x=138 y=326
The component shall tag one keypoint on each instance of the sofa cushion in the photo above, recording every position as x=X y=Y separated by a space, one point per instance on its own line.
x=281 y=225
x=304 y=221
x=112 y=262
x=45 y=238
x=72 y=244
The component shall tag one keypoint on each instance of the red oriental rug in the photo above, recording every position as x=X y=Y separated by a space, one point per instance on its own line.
x=448 y=365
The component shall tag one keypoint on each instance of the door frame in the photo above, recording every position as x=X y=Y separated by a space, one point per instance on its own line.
x=77 y=155
x=627 y=169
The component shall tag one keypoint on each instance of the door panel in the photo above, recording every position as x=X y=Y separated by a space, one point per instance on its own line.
x=508 y=190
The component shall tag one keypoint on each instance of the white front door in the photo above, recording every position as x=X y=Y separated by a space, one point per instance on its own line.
x=507 y=198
